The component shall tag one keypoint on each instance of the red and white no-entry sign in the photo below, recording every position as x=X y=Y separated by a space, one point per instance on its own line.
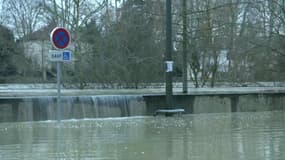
x=60 y=37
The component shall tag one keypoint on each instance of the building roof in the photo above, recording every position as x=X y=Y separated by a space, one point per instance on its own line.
x=41 y=34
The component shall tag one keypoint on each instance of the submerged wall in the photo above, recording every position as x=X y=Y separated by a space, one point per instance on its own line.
x=218 y=103
x=78 y=107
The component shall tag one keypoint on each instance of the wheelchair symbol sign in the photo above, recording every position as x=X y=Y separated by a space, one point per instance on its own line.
x=66 y=56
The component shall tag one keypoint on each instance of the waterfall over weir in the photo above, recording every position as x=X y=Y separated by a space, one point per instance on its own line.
x=79 y=107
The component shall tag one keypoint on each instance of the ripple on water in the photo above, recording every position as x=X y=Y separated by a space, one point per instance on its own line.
x=221 y=136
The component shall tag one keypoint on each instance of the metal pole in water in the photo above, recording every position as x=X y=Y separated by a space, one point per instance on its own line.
x=58 y=91
x=168 y=56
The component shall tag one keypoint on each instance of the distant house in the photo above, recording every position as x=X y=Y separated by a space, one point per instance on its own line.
x=36 y=48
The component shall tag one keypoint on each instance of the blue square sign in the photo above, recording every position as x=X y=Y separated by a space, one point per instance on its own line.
x=66 y=56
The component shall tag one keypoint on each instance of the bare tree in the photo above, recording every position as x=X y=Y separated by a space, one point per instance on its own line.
x=25 y=16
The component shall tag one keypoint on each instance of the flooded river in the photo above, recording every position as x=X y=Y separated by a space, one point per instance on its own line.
x=225 y=136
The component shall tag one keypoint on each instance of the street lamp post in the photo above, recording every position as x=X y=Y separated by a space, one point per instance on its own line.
x=169 y=110
x=169 y=87
x=184 y=44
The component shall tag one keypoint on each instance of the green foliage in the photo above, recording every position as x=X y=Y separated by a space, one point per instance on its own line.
x=123 y=51
x=7 y=52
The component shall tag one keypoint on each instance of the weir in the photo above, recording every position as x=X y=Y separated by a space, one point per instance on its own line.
x=79 y=107
x=27 y=106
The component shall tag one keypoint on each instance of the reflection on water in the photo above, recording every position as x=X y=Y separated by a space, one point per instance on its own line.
x=239 y=136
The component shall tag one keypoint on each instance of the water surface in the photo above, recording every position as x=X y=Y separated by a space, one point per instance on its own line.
x=226 y=136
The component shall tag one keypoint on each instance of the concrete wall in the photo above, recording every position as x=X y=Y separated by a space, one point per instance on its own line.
x=44 y=108
x=219 y=103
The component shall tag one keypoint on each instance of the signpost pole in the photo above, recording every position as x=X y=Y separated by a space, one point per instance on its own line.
x=58 y=91
x=60 y=38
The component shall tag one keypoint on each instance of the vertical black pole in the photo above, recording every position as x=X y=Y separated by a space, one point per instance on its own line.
x=185 y=39
x=168 y=56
